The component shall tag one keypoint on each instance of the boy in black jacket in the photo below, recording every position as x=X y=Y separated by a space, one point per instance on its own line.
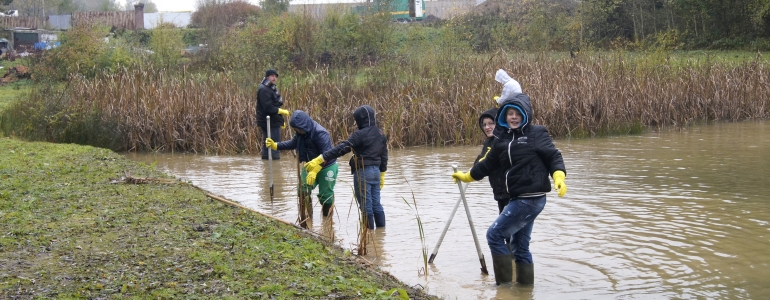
x=487 y=124
x=368 y=164
x=526 y=155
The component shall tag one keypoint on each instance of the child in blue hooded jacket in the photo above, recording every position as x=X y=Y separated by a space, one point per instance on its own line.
x=521 y=158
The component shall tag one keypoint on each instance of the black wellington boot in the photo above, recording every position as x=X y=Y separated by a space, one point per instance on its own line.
x=525 y=273
x=379 y=219
x=370 y=221
x=503 y=268
x=327 y=210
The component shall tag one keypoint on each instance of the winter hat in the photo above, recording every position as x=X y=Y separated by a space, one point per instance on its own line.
x=503 y=112
x=510 y=86
x=271 y=72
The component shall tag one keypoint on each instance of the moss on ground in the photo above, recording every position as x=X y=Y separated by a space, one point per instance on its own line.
x=71 y=229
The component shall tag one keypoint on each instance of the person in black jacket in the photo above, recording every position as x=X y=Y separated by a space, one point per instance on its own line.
x=310 y=140
x=269 y=103
x=526 y=156
x=487 y=125
x=368 y=164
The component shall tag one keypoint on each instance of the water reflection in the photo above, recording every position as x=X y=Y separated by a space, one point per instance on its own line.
x=681 y=214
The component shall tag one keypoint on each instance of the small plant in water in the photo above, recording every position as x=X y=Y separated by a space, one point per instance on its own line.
x=419 y=226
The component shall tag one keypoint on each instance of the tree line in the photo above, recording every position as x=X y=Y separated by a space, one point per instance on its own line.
x=572 y=24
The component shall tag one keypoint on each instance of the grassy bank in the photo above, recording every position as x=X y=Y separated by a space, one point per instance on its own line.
x=17 y=89
x=71 y=229
x=14 y=91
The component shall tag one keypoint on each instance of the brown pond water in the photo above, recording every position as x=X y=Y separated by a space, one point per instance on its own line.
x=677 y=214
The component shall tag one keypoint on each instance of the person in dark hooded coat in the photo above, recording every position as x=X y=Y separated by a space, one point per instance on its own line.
x=368 y=164
x=526 y=155
x=487 y=125
x=310 y=140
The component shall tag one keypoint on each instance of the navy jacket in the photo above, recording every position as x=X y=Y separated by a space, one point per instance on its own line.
x=526 y=155
x=268 y=103
x=310 y=144
x=369 y=144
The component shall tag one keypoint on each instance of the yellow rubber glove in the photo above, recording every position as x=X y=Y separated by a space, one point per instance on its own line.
x=310 y=180
x=284 y=113
x=271 y=144
x=382 y=180
x=314 y=164
x=464 y=177
x=485 y=154
x=558 y=183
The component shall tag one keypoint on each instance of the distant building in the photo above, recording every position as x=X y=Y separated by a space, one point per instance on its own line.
x=442 y=9
x=130 y=20
x=24 y=39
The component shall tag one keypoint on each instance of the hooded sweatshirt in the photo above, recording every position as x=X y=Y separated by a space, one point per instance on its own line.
x=369 y=144
x=521 y=158
x=510 y=85
x=310 y=144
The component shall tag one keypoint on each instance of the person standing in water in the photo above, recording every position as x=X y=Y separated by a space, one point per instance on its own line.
x=521 y=158
x=368 y=164
x=269 y=103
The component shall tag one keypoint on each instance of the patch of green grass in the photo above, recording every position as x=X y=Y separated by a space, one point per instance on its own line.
x=71 y=231
x=13 y=91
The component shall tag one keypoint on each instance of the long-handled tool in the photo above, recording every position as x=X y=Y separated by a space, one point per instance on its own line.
x=446 y=227
x=473 y=229
x=270 y=161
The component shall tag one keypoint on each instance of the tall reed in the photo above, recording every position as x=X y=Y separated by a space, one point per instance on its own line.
x=417 y=104
x=419 y=228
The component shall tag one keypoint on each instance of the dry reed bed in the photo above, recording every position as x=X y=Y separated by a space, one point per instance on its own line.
x=571 y=97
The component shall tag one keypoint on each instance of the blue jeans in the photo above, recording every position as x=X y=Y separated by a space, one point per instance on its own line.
x=275 y=135
x=515 y=222
x=368 y=190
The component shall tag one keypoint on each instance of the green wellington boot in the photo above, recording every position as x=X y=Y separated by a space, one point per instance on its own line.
x=503 y=268
x=525 y=273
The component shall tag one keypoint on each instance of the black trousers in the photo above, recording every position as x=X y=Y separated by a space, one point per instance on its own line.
x=275 y=134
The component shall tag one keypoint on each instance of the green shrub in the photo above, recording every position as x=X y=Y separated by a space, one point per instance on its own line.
x=79 y=53
x=167 y=45
x=48 y=114
x=84 y=52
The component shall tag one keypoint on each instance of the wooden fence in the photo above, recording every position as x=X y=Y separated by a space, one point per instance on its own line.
x=26 y=22
x=119 y=19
